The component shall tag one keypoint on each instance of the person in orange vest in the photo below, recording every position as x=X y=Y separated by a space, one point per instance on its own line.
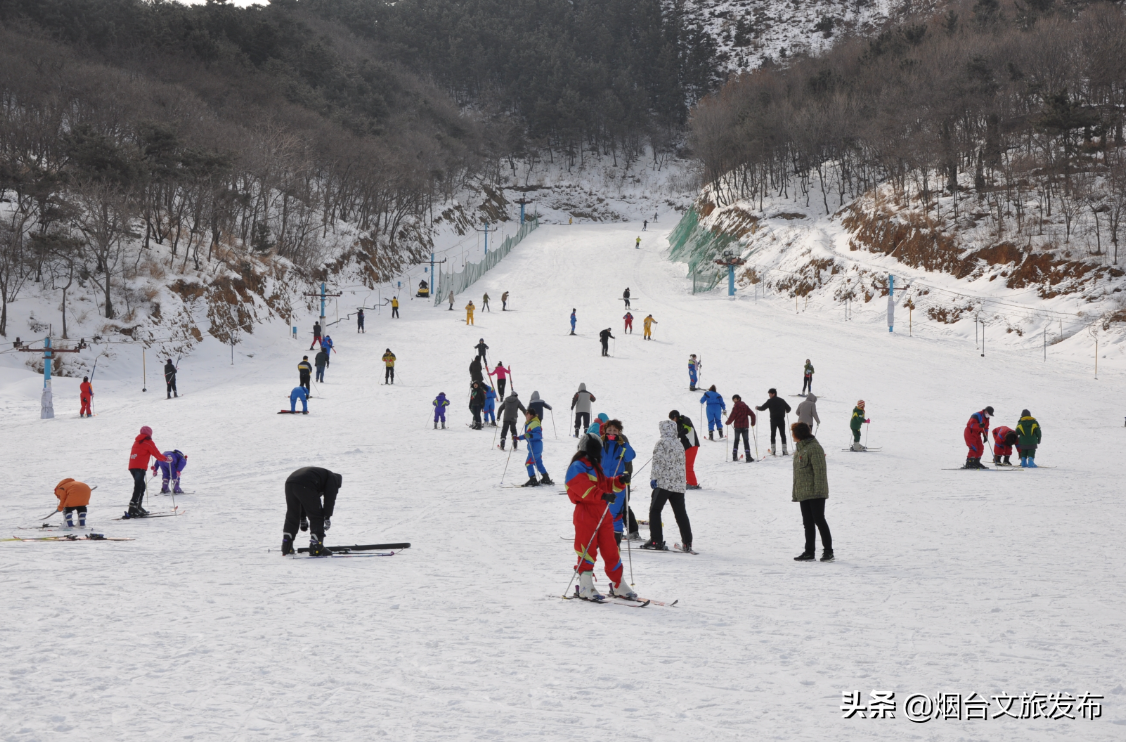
x=73 y=498
x=86 y=392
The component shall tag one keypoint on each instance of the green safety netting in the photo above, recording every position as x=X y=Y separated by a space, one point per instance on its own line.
x=460 y=281
x=699 y=248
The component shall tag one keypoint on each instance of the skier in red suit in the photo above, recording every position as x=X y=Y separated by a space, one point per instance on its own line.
x=977 y=435
x=1004 y=438
x=86 y=394
x=592 y=492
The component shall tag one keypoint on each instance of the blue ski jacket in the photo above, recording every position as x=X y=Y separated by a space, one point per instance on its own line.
x=714 y=400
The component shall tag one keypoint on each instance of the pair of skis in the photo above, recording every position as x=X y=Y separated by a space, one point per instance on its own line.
x=355 y=551
x=68 y=537
x=167 y=514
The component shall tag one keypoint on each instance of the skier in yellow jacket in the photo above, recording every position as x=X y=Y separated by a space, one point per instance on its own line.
x=649 y=322
x=469 y=312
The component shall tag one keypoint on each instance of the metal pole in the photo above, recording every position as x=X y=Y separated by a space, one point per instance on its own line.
x=144 y=372
x=486 y=239
x=587 y=549
x=322 y=304
x=983 y=338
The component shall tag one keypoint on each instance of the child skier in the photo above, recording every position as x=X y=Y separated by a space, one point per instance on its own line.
x=481 y=349
x=327 y=346
x=715 y=407
x=649 y=322
x=170 y=470
x=668 y=483
x=629 y=324
x=490 y=406
x=440 y=404
x=592 y=493
x=299 y=392
x=533 y=433
x=1004 y=438
x=476 y=403
x=976 y=435
x=73 y=497
x=86 y=393
x=693 y=372
x=858 y=419
x=1028 y=432
x=617 y=459
x=573 y=320
x=742 y=418
x=143 y=448
x=389 y=370
x=807 y=377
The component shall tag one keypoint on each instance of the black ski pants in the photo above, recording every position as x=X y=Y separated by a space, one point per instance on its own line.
x=582 y=422
x=476 y=410
x=508 y=424
x=605 y=347
x=170 y=382
x=138 y=485
x=500 y=389
x=300 y=500
x=305 y=382
x=745 y=432
x=360 y=325
x=394 y=312
x=807 y=383
x=813 y=518
x=389 y=375
x=657 y=505
x=777 y=424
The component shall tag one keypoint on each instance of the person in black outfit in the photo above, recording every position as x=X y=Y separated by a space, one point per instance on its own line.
x=321 y=361
x=605 y=336
x=316 y=334
x=778 y=411
x=303 y=491
x=625 y=296
x=304 y=369
x=170 y=378
x=360 y=321
x=475 y=370
x=476 y=403
x=481 y=348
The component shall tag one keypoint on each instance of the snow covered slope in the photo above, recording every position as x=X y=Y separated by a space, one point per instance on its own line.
x=946 y=581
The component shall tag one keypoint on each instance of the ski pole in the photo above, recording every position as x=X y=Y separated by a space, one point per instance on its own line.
x=638 y=471
x=553 y=430
x=754 y=432
x=495 y=429
x=506 y=468
x=49 y=516
x=587 y=549
x=625 y=521
x=866 y=435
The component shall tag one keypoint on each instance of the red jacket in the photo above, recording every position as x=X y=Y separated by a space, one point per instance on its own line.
x=999 y=447
x=86 y=390
x=978 y=425
x=585 y=486
x=143 y=447
x=500 y=372
x=740 y=415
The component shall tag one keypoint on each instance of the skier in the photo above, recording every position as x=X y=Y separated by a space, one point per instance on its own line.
x=451 y=301
x=807 y=377
x=858 y=419
x=508 y=410
x=502 y=375
x=807 y=410
x=976 y=436
x=778 y=410
x=316 y=334
x=299 y=392
x=686 y=432
x=490 y=404
x=394 y=307
x=321 y=361
x=475 y=370
x=389 y=370
x=617 y=459
x=605 y=338
x=637 y=245
x=580 y=403
x=573 y=321
x=143 y=448
x=504 y=302
x=469 y=312
x=170 y=470
x=715 y=407
x=481 y=350
x=86 y=396
x=170 y=379
x=648 y=323
x=742 y=418
x=304 y=370
x=533 y=433
x=668 y=483
x=537 y=405
x=625 y=295
x=644 y=225
x=440 y=404
x=423 y=290
x=592 y=492
x=73 y=496
x=303 y=491
x=360 y=321
x=629 y=323
x=693 y=372
x=476 y=403
x=485 y=303
x=1004 y=438
x=1028 y=433
x=327 y=346
x=811 y=489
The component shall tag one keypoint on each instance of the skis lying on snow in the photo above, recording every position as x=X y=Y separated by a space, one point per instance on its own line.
x=359 y=547
x=865 y=450
x=291 y=412
x=68 y=537
x=985 y=468
x=168 y=514
x=55 y=527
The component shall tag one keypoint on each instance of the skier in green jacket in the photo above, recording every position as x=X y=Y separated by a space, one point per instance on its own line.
x=807 y=378
x=1028 y=438
x=858 y=419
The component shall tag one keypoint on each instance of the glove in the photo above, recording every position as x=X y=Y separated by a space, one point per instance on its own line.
x=610 y=497
x=624 y=478
x=867 y=421
x=653 y=484
x=328 y=524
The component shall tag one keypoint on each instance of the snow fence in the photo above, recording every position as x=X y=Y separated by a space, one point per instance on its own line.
x=460 y=281
x=699 y=247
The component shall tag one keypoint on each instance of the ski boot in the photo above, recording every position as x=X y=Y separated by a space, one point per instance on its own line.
x=693 y=487
x=176 y=490
x=444 y=425
x=287 y=544
x=82 y=518
x=654 y=546
x=1006 y=462
x=501 y=443
x=317 y=547
x=827 y=555
x=532 y=482
x=748 y=457
x=711 y=435
x=545 y=479
x=435 y=425
x=805 y=556
x=586 y=587
x=784 y=451
x=686 y=548
x=856 y=446
x=996 y=460
x=304 y=523
x=633 y=536
x=735 y=455
x=164 y=489
x=622 y=590
x=1031 y=464
x=69 y=516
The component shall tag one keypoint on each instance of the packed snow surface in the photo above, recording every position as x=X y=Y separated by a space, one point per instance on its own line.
x=945 y=581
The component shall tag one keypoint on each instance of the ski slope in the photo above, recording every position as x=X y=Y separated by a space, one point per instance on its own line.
x=945 y=581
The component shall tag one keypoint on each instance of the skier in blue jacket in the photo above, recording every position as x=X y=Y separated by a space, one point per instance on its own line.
x=299 y=392
x=693 y=372
x=327 y=346
x=715 y=409
x=573 y=321
x=440 y=404
x=617 y=457
x=170 y=470
x=490 y=406
x=533 y=433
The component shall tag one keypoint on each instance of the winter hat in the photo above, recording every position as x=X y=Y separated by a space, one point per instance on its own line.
x=592 y=446
x=860 y=404
x=594 y=429
x=481 y=340
x=1025 y=413
x=603 y=416
x=85 y=378
x=146 y=430
x=988 y=411
x=674 y=415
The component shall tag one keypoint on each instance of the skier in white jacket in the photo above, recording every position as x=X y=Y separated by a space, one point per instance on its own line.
x=668 y=484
